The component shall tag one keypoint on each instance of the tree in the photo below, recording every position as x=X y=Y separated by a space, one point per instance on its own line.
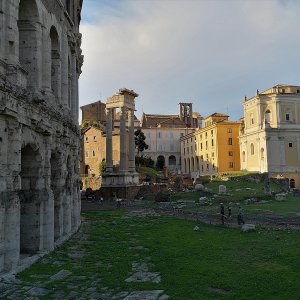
x=140 y=143
x=102 y=167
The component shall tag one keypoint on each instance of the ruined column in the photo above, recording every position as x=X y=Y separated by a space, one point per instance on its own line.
x=109 y=161
x=131 y=141
x=123 y=139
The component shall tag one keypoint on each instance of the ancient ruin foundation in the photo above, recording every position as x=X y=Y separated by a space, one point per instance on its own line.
x=40 y=62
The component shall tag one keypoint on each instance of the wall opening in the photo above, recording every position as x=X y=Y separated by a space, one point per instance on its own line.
x=30 y=203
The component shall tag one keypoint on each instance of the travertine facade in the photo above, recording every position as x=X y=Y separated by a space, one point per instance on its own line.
x=40 y=62
x=270 y=135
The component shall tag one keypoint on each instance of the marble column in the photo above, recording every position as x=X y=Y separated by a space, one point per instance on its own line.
x=123 y=139
x=131 y=141
x=109 y=160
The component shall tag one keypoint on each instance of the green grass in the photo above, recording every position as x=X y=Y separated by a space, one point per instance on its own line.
x=213 y=263
x=147 y=171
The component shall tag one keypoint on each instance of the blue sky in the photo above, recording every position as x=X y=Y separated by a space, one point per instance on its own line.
x=211 y=53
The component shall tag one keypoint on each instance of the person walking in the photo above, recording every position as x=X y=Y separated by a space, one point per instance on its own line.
x=241 y=216
x=222 y=213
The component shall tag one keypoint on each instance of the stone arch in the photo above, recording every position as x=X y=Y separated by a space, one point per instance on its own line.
x=172 y=161
x=55 y=64
x=268 y=116
x=252 y=149
x=30 y=202
x=292 y=183
x=188 y=165
x=29 y=34
x=160 y=161
x=184 y=165
x=57 y=184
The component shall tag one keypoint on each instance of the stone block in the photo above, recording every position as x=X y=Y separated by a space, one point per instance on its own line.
x=248 y=227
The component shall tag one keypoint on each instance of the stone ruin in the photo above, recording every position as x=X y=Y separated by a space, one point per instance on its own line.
x=123 y=182
x=40 y=63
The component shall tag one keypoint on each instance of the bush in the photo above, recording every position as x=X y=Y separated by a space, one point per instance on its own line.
x=163 y=197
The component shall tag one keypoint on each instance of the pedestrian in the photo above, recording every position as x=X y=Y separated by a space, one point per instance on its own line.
x=241 y=216
x=222 y=213
x=229 y=212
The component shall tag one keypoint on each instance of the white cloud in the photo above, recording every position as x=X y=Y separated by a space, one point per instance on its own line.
x=211 y=53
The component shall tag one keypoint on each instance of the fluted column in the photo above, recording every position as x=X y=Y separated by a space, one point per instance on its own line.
x=131 y=141
x=109 y=160
x=123 y=139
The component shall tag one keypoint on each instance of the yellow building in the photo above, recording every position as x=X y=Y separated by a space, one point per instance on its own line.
x=212 y=149
x=270 y=134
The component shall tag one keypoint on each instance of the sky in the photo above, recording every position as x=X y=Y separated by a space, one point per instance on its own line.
x=212 y=53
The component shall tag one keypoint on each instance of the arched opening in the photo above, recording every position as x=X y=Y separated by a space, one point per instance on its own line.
x=68 y=198
x=30 y=202
x=252 y=149
x=69 y=83
x=193 y=165
x=184 y=166
x=188 y=165
x=29 y=35
x=268 y=116
x=55 y=64
x=292 y=183
x=172 y=161
x=86 y=170
x=160 y=162
x=57 y=189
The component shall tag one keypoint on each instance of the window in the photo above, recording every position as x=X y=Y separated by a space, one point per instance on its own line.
x=207 y=167
x=94 y=153
x=230 y=165
x=159 y=135
x=191 y=149
x=87 y=154
x=229 y=130
x=213 y=155
x=230 y=153
x=95 y=138
x=290 y=145
x=213 y=166
x=298 y=91
x=229 y=141
x=200 y=137
x=202 y=168
x=86 y=138
x=201 y=146
x=206 y=146
x=211 y=132
x=206 y=135
x=252 y=149
x=183 y=150
x=251 y=119
x=212 y=143
x=287 y=117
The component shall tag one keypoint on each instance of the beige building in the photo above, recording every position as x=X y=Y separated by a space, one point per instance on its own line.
x=163 y=133
x=270 y=134
x=212 y=149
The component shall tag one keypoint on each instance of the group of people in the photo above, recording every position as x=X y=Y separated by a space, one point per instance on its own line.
x=240 y=216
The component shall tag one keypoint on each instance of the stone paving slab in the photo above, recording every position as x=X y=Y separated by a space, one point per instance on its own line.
x=144 y=295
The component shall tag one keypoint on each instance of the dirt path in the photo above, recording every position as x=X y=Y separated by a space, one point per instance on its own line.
x=263 y=220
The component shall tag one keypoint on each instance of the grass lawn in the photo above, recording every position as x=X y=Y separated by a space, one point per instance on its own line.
x=213 y=263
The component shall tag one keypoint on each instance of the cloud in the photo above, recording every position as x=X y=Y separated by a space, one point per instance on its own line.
x=210 y=53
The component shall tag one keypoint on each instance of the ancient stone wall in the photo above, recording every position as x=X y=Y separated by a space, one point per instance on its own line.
x=40 y=63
